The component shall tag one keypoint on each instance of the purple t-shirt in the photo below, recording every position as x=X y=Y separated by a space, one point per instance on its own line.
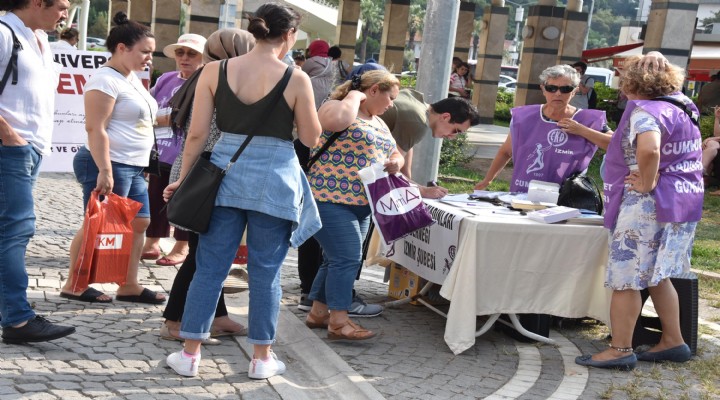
x=543 y=151
x=679 y=192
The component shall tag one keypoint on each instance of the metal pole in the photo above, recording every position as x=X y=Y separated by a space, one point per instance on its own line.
x=82 y=25
x=441 y=19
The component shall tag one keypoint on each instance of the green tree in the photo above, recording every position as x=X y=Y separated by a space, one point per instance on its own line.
x=372 y=13
x=604 y=28
x=416 y=22
x=99 y=28
x=713 y=19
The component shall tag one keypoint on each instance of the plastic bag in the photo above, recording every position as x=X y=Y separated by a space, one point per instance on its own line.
x=107 y=241
x=397 y=207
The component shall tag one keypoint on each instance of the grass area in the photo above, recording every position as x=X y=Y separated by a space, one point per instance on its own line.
x=706 y=250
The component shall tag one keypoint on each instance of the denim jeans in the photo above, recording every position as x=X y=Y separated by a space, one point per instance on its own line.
x=268 y=241
x=128 y=180
x=341 y=237
x=19 y=167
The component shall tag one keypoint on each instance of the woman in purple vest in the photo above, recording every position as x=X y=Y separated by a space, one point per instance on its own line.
x=551 y=141
x=188 y=55
x=653 y=200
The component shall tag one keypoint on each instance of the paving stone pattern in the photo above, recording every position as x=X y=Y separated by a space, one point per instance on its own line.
x=117 y=354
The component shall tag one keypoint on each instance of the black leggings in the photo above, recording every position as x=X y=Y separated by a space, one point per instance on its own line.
x=178 y=294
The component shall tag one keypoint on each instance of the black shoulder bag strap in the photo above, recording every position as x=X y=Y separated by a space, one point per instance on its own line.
x=266 y=113
x=12 y=66
x=324 y=148
x=679 y=104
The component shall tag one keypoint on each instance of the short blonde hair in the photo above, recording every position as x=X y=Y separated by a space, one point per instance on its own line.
x=384 y=79
x=641 y=82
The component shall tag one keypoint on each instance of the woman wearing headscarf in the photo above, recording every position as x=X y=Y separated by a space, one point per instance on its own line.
x=221 y=45
x=319 y=68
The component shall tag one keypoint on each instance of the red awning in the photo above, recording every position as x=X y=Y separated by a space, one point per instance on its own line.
x=604 y=53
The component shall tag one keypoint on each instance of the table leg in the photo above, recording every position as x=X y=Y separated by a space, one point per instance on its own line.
x=518 y=327
x=488 y=324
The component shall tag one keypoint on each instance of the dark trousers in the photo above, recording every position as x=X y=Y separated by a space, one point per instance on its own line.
x=309 y=260
x=159 y=227
x=178 y=294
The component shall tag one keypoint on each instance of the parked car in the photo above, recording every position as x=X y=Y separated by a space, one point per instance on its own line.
x=508 y=86
x=505 y=79
x=93 y=42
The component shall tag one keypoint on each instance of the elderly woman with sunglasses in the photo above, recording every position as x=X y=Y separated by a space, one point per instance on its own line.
x=551 y=141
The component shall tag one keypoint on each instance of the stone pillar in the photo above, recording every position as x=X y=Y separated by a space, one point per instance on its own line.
x=489 y=59
x=168 y=28
x=395 y=28
x=114 y=7
x=573 y=32
x=671 y=28
x=204 y=18
x=464 y=32
x=542 y=41
x=142 y=11
x=346 y=31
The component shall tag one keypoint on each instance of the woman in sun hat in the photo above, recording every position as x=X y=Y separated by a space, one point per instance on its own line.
x=188 y=55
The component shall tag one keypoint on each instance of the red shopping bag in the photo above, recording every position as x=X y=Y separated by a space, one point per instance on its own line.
x=107 y=241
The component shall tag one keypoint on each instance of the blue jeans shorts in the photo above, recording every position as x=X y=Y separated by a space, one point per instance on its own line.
x=129 y=180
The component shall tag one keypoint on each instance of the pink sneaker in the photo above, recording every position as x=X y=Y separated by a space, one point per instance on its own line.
x=265 y=369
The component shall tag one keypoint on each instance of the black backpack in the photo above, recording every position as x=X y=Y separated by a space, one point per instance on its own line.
x=580 y=191
x=12 y=66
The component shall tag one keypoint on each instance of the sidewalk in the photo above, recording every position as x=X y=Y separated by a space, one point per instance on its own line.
x=485 y=140
x=117 y=354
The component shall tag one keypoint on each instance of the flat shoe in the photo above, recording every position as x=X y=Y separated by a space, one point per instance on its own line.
x=166 y=262
x=167 y=335
x=358 y=332
x=90 y=295
x=313 y=323
x=150 y=255
x=147 y=296
x=220 y=332
x=626 y=363
x=678 y=354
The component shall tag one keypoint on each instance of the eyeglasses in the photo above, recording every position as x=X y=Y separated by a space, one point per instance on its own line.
x=555 y=88
x=182 y=52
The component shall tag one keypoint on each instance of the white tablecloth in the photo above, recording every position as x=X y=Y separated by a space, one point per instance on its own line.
x=510 y=264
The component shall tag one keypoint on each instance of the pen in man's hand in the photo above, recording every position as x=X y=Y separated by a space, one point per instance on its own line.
x=432 y=183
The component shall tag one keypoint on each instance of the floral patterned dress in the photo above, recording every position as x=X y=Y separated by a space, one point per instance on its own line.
x=644 y=251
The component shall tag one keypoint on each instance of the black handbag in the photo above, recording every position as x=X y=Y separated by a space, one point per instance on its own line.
x=579 y=191
x=192 y=204
x=153 y=167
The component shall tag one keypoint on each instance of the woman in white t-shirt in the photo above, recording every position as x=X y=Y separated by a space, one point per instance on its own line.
x=459 y=81
x=119 y=116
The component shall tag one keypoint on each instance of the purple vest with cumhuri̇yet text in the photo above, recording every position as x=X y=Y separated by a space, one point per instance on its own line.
x=543 y=151
x=679 y=191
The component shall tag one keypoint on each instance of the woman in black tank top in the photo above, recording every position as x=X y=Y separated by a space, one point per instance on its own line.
x=263 y=190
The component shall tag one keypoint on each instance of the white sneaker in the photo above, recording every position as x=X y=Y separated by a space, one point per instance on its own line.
x=186 y=366
x=265 y=369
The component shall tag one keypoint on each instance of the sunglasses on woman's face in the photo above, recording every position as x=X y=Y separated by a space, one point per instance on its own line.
x=182 y=52
x=555 y=88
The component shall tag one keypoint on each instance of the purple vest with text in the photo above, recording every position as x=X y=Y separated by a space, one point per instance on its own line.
x=679 y=191
x=543 y=151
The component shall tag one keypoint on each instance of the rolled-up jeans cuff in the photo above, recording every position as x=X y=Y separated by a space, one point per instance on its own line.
x=194 y=336
x=261 y=342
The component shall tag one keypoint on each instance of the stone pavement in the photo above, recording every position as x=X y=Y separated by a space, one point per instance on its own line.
x=117 y=354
